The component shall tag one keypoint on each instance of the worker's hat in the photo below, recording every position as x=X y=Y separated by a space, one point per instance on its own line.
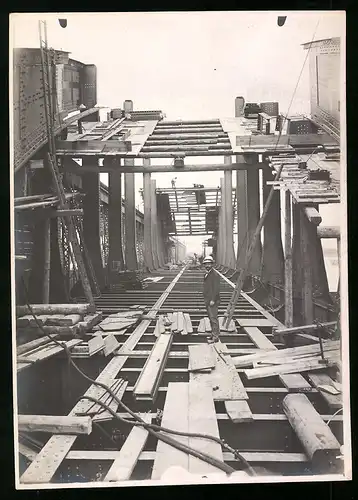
x=208 y=259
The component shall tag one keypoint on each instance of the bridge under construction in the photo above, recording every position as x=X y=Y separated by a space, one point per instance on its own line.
x=115 y=378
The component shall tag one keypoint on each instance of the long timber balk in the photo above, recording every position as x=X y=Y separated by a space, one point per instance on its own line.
x=270 y=388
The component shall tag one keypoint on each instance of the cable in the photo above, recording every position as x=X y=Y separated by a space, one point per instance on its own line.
x=334 y=414
x=207 y=458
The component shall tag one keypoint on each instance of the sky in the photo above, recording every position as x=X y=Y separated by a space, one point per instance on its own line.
x=190 y=65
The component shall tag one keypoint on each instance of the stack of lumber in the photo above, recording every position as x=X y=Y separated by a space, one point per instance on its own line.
x=212 y=366
x=291 y=360
x=121 y=320
x=56 y=319
x=205 y=326
x=176 y=322
x=129 y=280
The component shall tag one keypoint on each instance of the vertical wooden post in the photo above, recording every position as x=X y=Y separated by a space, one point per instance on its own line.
x=223 y=221
x=115 y=260
x=307 y=271
x=230 y=254
x=296 y=266
x=273 y=260
x=253 y=204
x=288 y=262
x=58 y=291
x=148 y=259
x=91 y=220
x=154 y=226
x=47 y=261
x=130 y=219
x=242 y=217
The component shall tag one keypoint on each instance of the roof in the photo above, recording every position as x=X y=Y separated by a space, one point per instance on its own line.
x=323 y=41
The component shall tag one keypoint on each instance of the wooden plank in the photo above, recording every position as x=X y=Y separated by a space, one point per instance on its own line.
x=49 y=309
x=55 y=424
x=250 y=456
x=202 y=419
x=188 y=324
x=119 y=390
x=147 y=384
x=258 y=338
x=335 y=401
x=294 y=382
x=174 y=326
x=223 y=379
x=126 y=459
x=316 y=437
x=90 y=320
x=176 y=417
x=63 y=320
x=110 y=345
x=313 y=215
x=48 y=351
x=295 y=367
x=201 y=326
x=254 y=322
x=238 y=411
x=95 y=344
x=180 y=319
x=33 y=344
x=201 y=357
x=242 y=361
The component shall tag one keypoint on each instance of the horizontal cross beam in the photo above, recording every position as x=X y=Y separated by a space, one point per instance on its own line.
x=73 y=167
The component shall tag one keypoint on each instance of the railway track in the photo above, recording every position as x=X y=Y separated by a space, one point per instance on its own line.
x=268 y=440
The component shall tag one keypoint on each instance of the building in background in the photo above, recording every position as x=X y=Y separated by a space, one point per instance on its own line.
x=325 y=75
x=177 y=251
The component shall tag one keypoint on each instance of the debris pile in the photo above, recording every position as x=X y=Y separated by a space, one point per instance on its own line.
x=291 y=360
x=55 y=319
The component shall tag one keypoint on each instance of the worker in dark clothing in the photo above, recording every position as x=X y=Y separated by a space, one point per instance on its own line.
x=211 y=291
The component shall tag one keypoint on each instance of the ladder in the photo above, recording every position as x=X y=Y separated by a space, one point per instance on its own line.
x=47 y=64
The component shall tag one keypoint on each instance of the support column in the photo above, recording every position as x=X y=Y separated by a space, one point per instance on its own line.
x=91 y=221
x=130 y=219
x=319 y=274
x=307 y=270
x=148 y=259
x=273 y=260
x=58 y=293
x=288 y=262
x=222 y=228
x=115 y=259
x=47 y=262
x=154 y=227
x=253 y=206
x=229 y=238
x=296 y=266
x=242 y=216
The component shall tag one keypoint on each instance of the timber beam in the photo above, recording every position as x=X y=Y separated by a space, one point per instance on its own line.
x=71 y=166
x=329 y=232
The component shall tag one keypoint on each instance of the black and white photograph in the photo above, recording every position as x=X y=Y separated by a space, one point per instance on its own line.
x=178 y=210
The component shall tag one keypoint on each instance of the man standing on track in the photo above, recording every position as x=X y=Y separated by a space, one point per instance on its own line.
x=211 y=292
